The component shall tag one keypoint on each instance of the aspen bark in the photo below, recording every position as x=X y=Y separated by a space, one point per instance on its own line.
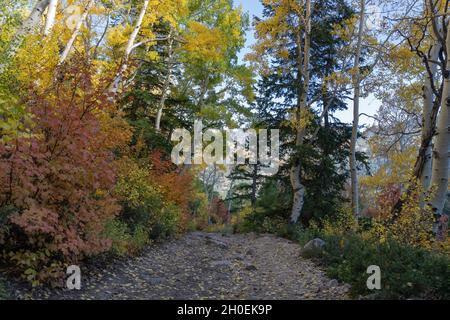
x=75 y=33
x=428 y=125
x=429 y=119
x=166 y=85
x=298 y=188
x=51 y=16
x=422 y=170
x=356 y=97
x=439 y=177
x=27 y=27
x=129 y=48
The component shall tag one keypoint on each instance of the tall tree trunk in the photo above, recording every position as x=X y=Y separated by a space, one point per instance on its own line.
x=254 y=185
x=298 y=188
x=166 y=84
x=356 y=97
x=129 y=48
x=422 y=170
x=51 y=16
x=428 y=123
x=27 y=27
x=203 y=91
x=439 y=177
x=431 y=103
x=75 y=32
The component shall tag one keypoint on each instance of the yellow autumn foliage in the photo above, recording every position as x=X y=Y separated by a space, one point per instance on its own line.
x=205 y=44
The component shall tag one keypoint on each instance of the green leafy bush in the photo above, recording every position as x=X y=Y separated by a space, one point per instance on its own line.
x=406 y=272
x=3 y=293
x=165 y=223
x=117 y=231
x=126 y=241
x=142 y=204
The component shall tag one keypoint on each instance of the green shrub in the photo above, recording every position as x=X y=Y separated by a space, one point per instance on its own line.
x=165 y=223
x=303 y=235
x=5 y=213
x=3 y=293
x=140 y=238
x=145 y=215
x=199 y=209
x=123 y=240
x=259 y=222
x=117 y=232
x=406 y=272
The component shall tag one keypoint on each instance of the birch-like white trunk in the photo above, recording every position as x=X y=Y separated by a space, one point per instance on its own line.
x=28 y=26
x=429 y=97
x=129 y=48
x=427 y=127
x=298 y=188
x=439 y=178
x=166 y=85
x=51 y=16
x=356 y=98
x=75 y=33
x=299 y=192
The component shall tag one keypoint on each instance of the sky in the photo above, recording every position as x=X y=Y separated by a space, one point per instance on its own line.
x=368 y=105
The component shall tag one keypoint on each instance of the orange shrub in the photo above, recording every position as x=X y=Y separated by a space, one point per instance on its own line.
x=57 y=182
x=176 y=183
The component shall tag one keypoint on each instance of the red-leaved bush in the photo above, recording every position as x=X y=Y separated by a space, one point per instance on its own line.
x=57 y=182
x=176 y=183
x=219 y=211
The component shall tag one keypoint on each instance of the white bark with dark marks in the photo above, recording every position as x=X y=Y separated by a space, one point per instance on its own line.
x=441 y=152
x=129 y=48
x=298 y=188
x=356 y=98
x=75 y=33
x=427 y=127
x=166 y=84
x=28 y=27
x=51 y=16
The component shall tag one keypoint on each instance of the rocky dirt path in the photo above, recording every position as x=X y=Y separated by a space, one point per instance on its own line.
x=205 y=266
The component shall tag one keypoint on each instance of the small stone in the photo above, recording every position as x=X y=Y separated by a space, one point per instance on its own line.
x=250 y=252
x=250 y=267
x=333 y=283
x=313 y=248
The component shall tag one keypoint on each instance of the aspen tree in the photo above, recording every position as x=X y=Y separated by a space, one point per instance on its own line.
x=356 y=98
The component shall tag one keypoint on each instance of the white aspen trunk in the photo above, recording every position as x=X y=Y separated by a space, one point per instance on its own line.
x=75 y=33
x=35 y=16
x=159 y=114
x=439 y=178
x=51 y=16
x=298 y=188
x=129 y=48
x=27 y=27
x=422 y=170
x=428 y=94
x=429 y=100
x=356 y=97
x=166 y=85
x=299 y=191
